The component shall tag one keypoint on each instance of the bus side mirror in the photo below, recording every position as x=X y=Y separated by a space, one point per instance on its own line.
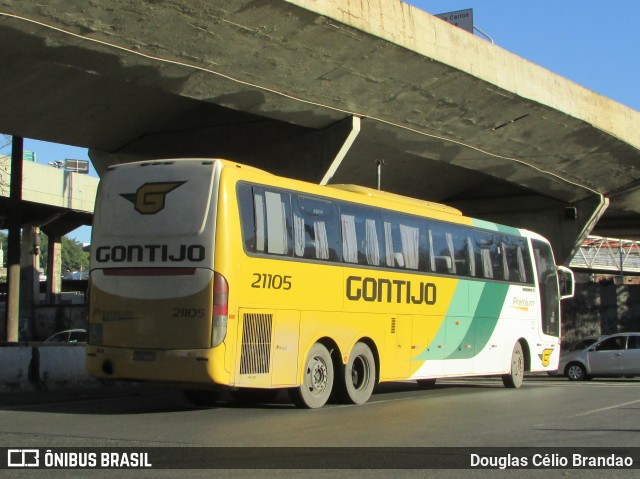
x=566 y=282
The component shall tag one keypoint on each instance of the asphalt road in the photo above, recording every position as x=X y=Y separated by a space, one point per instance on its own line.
x=473 y=413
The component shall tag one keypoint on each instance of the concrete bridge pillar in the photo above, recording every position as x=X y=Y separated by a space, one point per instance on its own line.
x=54 y=269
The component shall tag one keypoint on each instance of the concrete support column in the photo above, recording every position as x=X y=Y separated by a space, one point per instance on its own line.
x=54 y=269
x=12 y=320
x=13 y=285
x=29 y=276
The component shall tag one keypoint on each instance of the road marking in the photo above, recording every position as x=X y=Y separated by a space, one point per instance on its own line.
x=594 y=411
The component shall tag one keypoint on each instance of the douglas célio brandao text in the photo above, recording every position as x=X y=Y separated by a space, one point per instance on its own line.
x=550 y=460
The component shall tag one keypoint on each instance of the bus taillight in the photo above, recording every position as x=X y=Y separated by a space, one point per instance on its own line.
x=220 y=309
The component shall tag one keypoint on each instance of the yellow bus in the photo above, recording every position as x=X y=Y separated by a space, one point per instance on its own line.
x=212 y=275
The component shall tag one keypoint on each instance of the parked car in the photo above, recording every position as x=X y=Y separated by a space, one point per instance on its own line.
x=614 y=355
x=68 y=336
x=583 y=344
x=565 y=352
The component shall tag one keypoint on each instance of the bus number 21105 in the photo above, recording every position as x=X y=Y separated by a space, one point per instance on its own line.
x=271 y=281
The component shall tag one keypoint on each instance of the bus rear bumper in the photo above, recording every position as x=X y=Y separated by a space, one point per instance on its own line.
x=198 y=366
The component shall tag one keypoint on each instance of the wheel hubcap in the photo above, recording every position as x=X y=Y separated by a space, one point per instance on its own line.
x=519 y=365
x=317 y=376
x=359 y=373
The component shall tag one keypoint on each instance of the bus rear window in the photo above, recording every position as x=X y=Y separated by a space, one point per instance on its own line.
x=154 y=202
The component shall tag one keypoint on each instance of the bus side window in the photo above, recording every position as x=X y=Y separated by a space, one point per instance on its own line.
x=278 y=212
x=506 y=273
x=349 y=238
x=316 y=229
x=487 y=263
x=405 y=242
x=518 y=261
x=265 y=218
x=361 y=235
x=471 y=254
x=247 y=216
x=524 y=260
x=462 y=256
x=483 y=244
x=441 y=252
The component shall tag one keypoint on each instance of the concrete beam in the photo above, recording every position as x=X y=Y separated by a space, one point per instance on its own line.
x=417 y=31
x=275 y=146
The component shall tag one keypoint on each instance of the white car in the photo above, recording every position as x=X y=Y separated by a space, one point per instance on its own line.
x=614 y=355
x=68 y=336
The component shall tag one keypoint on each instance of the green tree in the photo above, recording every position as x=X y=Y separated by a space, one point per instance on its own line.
x=3 y=240
x=73 y=257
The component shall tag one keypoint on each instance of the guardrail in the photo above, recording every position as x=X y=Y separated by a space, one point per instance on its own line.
x=41 y=366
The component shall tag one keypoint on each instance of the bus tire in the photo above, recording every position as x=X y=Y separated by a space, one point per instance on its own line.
x=359 y=375
x=516 y=375
x=317 y=379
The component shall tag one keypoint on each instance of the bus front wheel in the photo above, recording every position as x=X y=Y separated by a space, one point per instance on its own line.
x=317 y=379
x=516 y=375
x=359 y=376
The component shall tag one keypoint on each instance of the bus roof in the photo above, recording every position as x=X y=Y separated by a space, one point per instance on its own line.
x=377 y=195
x=392 y=197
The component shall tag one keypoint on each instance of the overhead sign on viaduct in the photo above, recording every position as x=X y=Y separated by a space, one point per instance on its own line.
x=284 y=84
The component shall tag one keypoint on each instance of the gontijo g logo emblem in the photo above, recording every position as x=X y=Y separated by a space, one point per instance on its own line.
x=545 y=357
x=149 y=199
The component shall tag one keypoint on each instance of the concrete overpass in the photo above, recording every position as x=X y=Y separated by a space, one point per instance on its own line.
x=290 y=85
x=55 y=201
x=50 y=194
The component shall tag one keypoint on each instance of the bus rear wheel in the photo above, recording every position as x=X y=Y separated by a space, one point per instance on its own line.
x=359 y=376
x=516 y=375
x=317 y=379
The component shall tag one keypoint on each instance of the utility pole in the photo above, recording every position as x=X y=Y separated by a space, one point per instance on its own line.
x=13 y=255
x=621 y=264
x=379 y=164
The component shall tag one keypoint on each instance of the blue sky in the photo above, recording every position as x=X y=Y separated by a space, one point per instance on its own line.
x=591 y=42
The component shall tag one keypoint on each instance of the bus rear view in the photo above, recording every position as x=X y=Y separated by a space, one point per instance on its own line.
x=157 y=308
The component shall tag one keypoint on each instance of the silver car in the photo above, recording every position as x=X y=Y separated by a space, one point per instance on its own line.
x=615 y=355
x=68 y=336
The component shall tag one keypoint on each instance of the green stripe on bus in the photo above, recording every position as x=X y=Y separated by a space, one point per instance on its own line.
x=484 y=319
x=481 y=304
